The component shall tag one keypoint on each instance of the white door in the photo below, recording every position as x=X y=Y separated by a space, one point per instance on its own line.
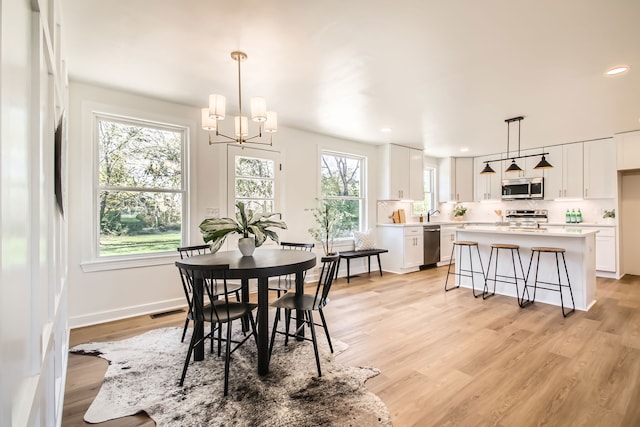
x=253 y=177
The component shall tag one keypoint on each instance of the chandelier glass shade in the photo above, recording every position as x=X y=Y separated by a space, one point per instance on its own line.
x=211 y=117
x=513 y=167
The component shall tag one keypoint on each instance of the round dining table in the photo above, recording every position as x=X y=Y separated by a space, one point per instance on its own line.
x=263 y=264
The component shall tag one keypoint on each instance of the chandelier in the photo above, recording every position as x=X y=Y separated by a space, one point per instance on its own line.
x=513 y=167
x=211 y=117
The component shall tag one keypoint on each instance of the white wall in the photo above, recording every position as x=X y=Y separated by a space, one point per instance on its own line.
x=98 y=296
x=33 y=317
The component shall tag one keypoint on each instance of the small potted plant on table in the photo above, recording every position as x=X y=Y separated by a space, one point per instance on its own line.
x=215 y=230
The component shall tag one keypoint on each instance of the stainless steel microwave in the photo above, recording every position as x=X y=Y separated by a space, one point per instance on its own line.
x=523 y=188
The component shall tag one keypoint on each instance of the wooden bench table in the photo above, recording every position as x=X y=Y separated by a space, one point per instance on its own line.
x=349 y=255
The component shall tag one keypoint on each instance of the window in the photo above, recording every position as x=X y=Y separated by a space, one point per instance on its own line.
x=253 y=178
x=140 y=186
x=342 y=185
x=428 y=203
x=255 y=183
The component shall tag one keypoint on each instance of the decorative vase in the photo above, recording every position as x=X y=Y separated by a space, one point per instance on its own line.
x=247 y=245
x=458 y=218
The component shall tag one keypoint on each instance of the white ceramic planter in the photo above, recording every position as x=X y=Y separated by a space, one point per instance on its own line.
x=247 y=245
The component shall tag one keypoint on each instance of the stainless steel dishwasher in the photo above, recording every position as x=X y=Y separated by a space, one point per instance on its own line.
x=431 y=245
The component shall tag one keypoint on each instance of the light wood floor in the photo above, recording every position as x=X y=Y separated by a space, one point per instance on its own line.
x=450 y=359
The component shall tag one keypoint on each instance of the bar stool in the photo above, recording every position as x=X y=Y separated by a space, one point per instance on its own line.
x=503 y=278
x=466 y=272
x=557 y=287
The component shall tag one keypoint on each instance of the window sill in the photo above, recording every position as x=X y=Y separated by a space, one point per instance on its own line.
x=119 y=263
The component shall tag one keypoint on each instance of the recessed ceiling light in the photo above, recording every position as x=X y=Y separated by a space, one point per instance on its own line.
x=385 y=130
x=617 y=70
x=464 y=149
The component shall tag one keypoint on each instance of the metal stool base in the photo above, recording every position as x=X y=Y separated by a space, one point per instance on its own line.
x=466 y=272
x=502 y=278
x=557 y=286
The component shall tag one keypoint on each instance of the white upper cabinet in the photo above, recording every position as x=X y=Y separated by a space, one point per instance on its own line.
x=402 y=176
x=416 y=174
x=487 y=186
x=565 y=178
x=600 y=176
x=628 y=150
x=456 y=179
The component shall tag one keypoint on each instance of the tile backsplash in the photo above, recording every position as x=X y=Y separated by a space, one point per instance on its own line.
x=592 y=210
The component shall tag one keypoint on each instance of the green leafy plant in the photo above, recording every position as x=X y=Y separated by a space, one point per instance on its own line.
x=459 y=210
x=609 y=214
x=328 y=219
x=215 y=230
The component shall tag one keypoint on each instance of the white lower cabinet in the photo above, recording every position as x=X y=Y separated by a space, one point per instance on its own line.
x=413 y=247
x=606 y=249
x=405 y=245
x=447 y=237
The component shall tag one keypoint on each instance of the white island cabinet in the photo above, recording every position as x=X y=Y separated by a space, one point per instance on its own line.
x=580 y=255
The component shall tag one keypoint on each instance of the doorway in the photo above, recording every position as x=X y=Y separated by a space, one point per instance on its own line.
x=629 y=225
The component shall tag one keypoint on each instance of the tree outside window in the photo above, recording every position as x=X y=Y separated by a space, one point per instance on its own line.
x=341 y=186
x=140 y=186
x=255 y=183
x=428 y=203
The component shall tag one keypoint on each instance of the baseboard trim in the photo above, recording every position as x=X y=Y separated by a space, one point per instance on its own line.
x=125 y=313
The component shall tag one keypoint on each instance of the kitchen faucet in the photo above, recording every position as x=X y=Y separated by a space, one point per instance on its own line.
x=431 y=212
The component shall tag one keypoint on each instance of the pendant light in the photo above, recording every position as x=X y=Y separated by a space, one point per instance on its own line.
x=267 y=120
x=487 y=169
x=543 y=164
x=513 y=167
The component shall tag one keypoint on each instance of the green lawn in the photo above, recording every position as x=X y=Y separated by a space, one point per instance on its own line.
x=146 y=243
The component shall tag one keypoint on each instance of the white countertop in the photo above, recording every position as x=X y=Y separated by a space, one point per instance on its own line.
x=420 y=224
x=550 y=232
x=582 y=224
x=492 y=223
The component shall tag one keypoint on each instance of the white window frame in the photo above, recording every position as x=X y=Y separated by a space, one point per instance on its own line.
x=362 y=225
x=90 y=223
x=418 y=206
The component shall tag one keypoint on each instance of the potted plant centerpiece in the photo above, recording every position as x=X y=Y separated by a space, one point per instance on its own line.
x=458 y=212
x=215 y=230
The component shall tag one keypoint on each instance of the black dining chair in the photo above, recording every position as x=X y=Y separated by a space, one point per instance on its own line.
x=307 y=304
x=219 y=311
x=188 y=251
x=285 y=282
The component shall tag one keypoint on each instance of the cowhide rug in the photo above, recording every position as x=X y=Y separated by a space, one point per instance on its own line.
x=144 y=372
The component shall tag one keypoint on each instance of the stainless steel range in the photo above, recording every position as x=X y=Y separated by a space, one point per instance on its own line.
x=524 y=218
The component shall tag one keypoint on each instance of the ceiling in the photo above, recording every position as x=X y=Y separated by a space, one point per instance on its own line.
x=444 y=75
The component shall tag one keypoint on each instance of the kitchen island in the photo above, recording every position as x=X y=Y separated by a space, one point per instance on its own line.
x=579 y=244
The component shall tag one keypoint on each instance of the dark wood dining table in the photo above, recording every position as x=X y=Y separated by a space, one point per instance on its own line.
x=264 y=263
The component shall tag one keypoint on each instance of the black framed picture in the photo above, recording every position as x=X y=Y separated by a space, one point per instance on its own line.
x=57 y=163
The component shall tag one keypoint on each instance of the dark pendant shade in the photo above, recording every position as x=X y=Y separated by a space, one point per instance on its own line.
x=487 y=169
x=513 y=167
x=543 y=164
